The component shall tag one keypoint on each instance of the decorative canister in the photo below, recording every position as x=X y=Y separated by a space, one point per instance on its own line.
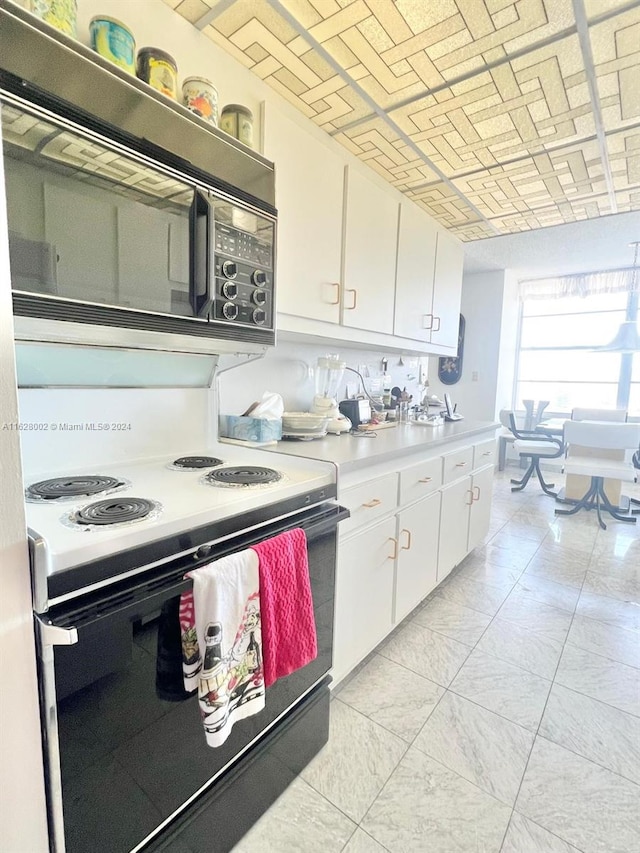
x=59 y=13
x=159 y=70
x=201 y=97
x=113 y=40
x=237 y=121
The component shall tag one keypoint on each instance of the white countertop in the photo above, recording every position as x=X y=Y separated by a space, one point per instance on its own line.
x=350 y=452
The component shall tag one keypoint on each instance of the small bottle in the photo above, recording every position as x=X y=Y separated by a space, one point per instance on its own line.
x=252 y=657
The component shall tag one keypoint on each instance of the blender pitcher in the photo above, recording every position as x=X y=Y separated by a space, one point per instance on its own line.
x=329 y=372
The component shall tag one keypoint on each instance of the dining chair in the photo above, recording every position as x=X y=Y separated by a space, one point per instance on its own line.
x=535 y=446
x=613 y=415
x=600 y=436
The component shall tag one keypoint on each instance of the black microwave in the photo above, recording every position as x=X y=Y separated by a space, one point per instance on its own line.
x=102 y=234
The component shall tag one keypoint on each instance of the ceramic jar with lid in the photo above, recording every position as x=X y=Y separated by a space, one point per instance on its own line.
x=237 y=121
x=61 y=14
x=159 y=70
x=113 y=40
x=200 y=96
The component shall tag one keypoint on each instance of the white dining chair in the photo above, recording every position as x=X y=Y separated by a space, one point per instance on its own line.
x=600 y=435
x=612 y=415
x=535 y=446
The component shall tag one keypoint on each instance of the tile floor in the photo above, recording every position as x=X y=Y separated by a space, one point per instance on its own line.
x=502 y=715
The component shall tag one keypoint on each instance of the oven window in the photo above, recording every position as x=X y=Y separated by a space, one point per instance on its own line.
x=88 y=223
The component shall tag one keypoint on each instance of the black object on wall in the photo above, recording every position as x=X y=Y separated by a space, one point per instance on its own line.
x=450 y=367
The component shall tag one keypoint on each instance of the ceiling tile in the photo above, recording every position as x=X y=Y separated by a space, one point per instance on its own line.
x=565 y=211
x=478 y=230
x=193 y=10
x=624 y=156
x=616 y=54
x=444 y=205
x=596 y=8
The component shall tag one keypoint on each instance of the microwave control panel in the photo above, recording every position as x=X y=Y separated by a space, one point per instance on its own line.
x=244 y=280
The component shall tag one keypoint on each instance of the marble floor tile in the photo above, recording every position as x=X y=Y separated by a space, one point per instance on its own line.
x=361 y=842
x=548 y=592
x=576 y=534
x=503 y=688
x=622 y=568
x=525 y=836
x=521 y=647
x=483 y=597
x=512 y=559
x=540 y=618
x=622 y=614
x=558 y=554
x=426 y=807
x=392 y=696
x=594 y=730
x=621 y=543
x=356 y=762
x=300 y=821
x=625 y=589
x=606 y=640
x=431 y=655
x=606 y=680
x=524 y=531
x=482 y=571
x=565 y=793
x=532 y=518
x=515 y=543
x=453 y=620
x=482 y=747
x=558 y=569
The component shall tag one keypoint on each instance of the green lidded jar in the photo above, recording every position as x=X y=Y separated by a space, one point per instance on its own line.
x=62 y=14
x=237 y=121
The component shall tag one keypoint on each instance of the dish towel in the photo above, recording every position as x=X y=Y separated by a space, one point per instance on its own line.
x=220 y=627
x=289 y=638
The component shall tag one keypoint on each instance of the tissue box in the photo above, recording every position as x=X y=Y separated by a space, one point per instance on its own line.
x=249 y=429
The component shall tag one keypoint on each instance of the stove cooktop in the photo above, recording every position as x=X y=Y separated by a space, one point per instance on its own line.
x=77 y=529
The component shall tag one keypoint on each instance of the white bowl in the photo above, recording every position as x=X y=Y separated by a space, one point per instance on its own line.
x=304 y=422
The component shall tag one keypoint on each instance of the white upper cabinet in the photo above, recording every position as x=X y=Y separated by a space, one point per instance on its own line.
x=309 y=198
x=447 y=291
x=416 y=266
x=370 y=255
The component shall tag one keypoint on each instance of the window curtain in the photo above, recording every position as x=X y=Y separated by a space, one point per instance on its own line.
x=585 y=284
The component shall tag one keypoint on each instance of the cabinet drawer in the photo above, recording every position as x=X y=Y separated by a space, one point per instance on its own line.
x=456 y=464
x=420 y=479
x=484 y=453
x=369 y=501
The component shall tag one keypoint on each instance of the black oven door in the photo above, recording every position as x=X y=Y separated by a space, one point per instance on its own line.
x=125 y=746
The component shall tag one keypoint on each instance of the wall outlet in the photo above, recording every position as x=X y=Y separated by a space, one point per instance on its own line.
x=474 y=376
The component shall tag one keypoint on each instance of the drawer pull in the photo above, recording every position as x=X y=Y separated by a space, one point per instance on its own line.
x=406 y=547
x=476 y=497
x=424 y=325
x=470 y=493
x=335 y=284
x=436 y=328
x=374 y=502
x=461 y=464
x=395 y=548
x=355 y=299
x=425 y=480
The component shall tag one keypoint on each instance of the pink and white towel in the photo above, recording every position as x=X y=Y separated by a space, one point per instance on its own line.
x=221 y=631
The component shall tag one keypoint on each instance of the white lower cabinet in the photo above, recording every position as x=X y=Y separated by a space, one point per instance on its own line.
x=407 y=531
x=417 y=562
x=480 y=509
x=364 y=594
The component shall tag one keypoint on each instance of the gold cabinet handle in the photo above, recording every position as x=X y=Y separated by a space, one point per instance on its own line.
x=406 y=547
x=425 y=480
x=461 y=464
x=374 y=502
x=395 y=548
x=436 y=328
x=469 y=492
x=476 y=497
x=424 y=324
x=335 y=284
x=355 y=299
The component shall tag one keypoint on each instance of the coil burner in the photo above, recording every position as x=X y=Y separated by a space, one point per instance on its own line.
x=67 y=488
x=112 y=511
x=195 y=463
x=247 y=476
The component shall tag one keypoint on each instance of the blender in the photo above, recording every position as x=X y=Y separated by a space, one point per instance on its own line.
x=329 y=372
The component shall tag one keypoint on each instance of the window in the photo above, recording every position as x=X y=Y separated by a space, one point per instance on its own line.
x=549 y=369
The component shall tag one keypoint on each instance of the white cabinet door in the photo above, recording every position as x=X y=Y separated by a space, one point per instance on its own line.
x=480 y=514
x=370 y=255
x=414 y=280
x=309 y=198
x=364 y=594
x=417 y=565
x=454 y=526
x=447 y=290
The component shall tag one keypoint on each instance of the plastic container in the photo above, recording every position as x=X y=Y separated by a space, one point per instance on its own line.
x=247 y=428
x=201 y=97
x=113 y=40
x=159 y=70
x=237 y=121
x=61 y=14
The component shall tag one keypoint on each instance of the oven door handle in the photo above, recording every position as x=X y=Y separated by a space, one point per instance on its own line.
x=201 y=255
x=54 y=635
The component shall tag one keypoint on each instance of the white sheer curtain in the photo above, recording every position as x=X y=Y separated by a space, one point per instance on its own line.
x=585 y=284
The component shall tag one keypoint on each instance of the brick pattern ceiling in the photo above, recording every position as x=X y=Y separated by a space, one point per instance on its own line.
x=495 y=116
